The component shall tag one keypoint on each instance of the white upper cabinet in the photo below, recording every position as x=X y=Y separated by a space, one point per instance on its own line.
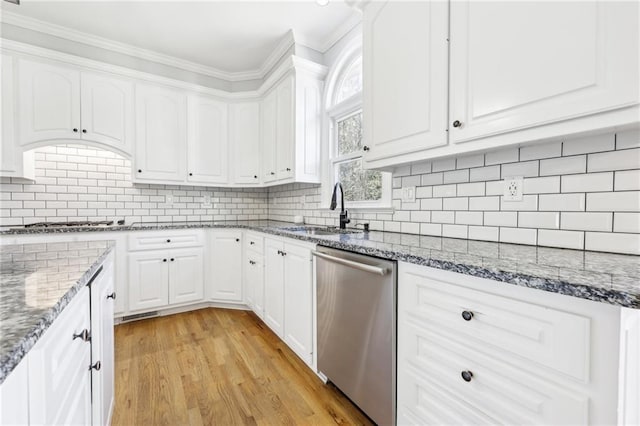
x=285 y=150
x=269 y=137
x=58 y=103
x=405 y=77
x=161 y=134
x=521 y=67
x=207 y=152
x=107 y=111
x=49 y=102
x=245 y=141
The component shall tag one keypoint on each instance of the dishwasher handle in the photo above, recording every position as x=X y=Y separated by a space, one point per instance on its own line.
x=356 y=265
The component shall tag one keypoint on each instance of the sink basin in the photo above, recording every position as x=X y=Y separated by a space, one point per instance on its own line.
x=315 y=230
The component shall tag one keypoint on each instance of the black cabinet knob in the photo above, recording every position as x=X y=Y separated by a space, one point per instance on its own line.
x=365 y=148
x=467 y=315
x=272 y=173
x=190 y=174
x=237 y=240
x=466 y=376
x=251 y=242
x=457 y=123
x=280 y=252
x=168 y=241
x=84 y=130
x=251 y=262
x=164 y=260
x=284 y=253
x=75 y=130
x=139 y=170
x=288 y=169
x=97 y=366
x=173 y=259
x=112 y=296
x=84 y=335
x=255 y=176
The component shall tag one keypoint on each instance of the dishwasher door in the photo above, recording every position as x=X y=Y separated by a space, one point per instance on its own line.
x=356 y=299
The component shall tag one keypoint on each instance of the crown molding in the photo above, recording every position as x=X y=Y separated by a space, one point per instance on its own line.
x=342 y=30
x=100 y=42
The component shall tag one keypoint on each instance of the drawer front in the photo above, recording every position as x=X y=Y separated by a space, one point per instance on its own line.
x=431 y=387
x=59 y=364
x=549 y=337
x=165 y=240
x=254 y=242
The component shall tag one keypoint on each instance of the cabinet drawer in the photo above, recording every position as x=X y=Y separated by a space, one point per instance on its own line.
x=431 y=387
x=553 y=338
x=164 y=240
x=254 y=242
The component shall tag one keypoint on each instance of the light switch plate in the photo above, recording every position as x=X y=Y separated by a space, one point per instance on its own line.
x=168 y=199
x=408 y=194
x=513 y=188
x=206 y=201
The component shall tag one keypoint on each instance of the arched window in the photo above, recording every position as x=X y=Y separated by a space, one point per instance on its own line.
x=362 y=188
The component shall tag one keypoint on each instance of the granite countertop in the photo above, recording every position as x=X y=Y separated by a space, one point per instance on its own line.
x=603 y=277
x=37 y=281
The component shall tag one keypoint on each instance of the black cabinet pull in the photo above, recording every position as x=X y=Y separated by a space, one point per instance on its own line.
x=190 y=174
x=365 y=148
x=280 y=252
x=75 y=130
x=466 y=376
x=284 y=253
x=164 y=260
x=251 y=262
x=457 y=123
x=168 y=241
x=112 y=296
x=255 y=176
x=139 y=170
x=173 y=259
x=251 y=242
x=97 y=366
x=288 y=169
x=272 y=173
x=84 y=335
x=84 y=130
x=467 y=315
x=237 y=240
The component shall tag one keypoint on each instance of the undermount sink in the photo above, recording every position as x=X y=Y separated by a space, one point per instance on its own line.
x=315 y=230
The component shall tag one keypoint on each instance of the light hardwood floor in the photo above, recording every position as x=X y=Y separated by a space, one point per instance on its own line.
x=217 y=366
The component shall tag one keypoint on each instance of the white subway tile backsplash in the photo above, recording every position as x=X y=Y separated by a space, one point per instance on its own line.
x=444 y=191
x=548 y=220
x=434 y=229
x=627 y=180
x=485 y=233
x=470 y=189
x=518 y=235
x=626 y=222
x=564 y=239
x=507 y=155
x=470 y=161
x=443 y=217
x=542 y=185
x=424 y=192
x=627 y=159
x=584 y=145
x=587 y=221
x=528 y=203
x=420 y=168
x=483 y=174
x=538 y=151
x=456 y=176
x=612 y=242
x=484 y=203
x=468 y=218
x=431 y=204
x=561 y=202
x=563 y=165
x=443 y=165
x=495 y=187
x=588 y=182
x=626 y=201
x=525 y=169
x=459 y=203
x=432 y=179
x=454 y=231
x=507 y=219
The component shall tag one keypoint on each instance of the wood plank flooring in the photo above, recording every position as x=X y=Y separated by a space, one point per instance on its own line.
x=218 y=366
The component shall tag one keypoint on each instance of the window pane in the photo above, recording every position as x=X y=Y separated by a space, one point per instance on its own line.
x=351 y=83
x=350 y=134
x=359 y=184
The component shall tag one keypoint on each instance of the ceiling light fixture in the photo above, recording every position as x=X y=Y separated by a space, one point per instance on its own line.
x=322 y=2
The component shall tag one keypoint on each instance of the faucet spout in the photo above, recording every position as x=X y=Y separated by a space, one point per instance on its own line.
x=344 y=219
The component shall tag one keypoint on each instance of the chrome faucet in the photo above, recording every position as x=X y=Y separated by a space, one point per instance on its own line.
x=344 y=219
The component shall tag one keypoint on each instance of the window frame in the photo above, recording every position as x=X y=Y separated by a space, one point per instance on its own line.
x=336 y=112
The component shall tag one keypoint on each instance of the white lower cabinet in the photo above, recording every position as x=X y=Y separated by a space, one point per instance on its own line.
x=253 y=273
x=288 y=289
x=148 y=280
x=475 y=351
x=225 y=258
x=186 y=275
x=14 y=391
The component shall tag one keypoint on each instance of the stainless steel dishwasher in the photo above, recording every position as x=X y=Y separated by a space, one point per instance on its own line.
x=356 y=297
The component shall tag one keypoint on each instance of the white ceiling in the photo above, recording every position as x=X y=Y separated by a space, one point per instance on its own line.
x=229 y=36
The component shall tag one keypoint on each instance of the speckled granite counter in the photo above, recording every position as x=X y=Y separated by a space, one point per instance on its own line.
x=37 y=281
x=602 y=277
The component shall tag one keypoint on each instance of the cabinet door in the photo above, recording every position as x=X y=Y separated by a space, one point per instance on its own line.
x=507 y=74
x=14 y=391
x=59 y=375
x=186 y=275
x=285 y=150
x=254 y=283
x=102 y=381
x=298 y=302
x=245 y=140
x=10 y=157
x=107 y=111
x=49 y=102
x=274 y=286
x=148 y=280
x=161 y=134
x=269 y=137
x=404 y=77
x=207 y=142
x=226 y=261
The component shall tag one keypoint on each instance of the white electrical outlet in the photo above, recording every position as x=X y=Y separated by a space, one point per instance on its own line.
x=168 y=199
x=408 y=194
x=206 y=201
x=513 y=189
